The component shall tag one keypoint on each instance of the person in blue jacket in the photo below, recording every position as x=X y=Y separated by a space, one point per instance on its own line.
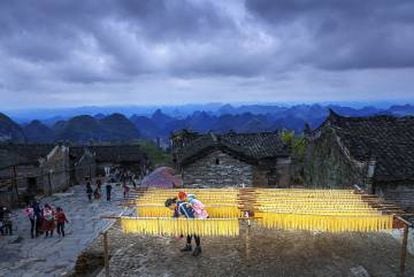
x=182 y=208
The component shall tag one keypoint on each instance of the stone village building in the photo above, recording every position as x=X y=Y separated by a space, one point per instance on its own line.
x=217 y=160
x=26 y=170
x=30 y=169
x=92 y=160
x=375 y=152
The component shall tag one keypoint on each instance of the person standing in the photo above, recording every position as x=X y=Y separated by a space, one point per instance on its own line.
x=98 y=184
x=89 y=191
x=7 y=222
x=108 y=191
x=29 y=212
x=48 y=220
x=126 y=190
x=97 y=193
x=38 y=217
x=183 y=208
x=60 y=220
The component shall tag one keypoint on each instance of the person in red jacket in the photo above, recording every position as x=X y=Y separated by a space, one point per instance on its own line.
x=60 y=220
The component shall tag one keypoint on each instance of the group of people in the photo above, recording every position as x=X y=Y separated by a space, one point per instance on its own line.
x=188 y=206
x=45 y=220
x=97 y=192
x=125 y=177
x=6 y=224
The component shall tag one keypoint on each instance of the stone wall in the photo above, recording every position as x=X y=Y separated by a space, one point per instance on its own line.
x=326 y=164
x=26 y=177
x=261 y=176
x=218 y=169
x=56 y=170
x=283 y=168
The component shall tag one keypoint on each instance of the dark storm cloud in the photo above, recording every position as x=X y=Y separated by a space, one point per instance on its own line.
x=127 y=37
x=62 y=46
x=121 y=39
x=347 y=34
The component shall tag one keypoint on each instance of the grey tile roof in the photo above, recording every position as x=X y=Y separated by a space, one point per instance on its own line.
x=250 y=147
x=18 y=154
x=111 y=153
x=387 y=139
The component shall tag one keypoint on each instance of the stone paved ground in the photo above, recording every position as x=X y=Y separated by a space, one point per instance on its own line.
x=260 y=253
x=22 y=256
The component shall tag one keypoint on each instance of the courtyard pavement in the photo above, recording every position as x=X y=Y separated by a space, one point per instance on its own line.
x=20 y=255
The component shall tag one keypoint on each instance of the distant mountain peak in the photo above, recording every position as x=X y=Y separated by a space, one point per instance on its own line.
x=10 y=131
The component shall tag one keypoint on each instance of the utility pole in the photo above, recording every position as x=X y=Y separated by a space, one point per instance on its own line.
x=106 y=253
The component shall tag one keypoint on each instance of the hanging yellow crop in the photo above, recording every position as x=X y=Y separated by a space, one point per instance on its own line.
x=302 y=209
x=213 y=211
x=181 y=226
x=326 y=223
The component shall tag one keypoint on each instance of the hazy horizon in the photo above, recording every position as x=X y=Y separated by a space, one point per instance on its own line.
x=26 y=114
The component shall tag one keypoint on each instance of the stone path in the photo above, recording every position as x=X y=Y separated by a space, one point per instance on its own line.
x=22 y=256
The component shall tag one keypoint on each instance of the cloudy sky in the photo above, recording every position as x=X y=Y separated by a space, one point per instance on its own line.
x=102 y=52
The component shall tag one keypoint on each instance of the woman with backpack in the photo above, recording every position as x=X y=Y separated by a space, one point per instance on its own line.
x=182 y=208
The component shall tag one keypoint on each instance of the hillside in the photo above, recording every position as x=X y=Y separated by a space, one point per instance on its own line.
x=116 y=127
x=85 y=128
x=37 y=132
x=10 y=131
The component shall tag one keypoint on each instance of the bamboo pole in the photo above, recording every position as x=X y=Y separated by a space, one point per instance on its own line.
x=404 y=251
x=106 y=255
x=403 y=256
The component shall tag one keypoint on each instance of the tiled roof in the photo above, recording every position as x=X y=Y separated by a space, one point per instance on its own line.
x=18 y=154
x=387 y=139
x=249 y=147
x=111 y=153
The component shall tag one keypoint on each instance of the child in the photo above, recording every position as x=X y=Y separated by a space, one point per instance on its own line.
x=182 y=208
x=98 y=184
x=97 y=193
x=198 y=206
x=60 y=219
x=48 y=220
x=126 y=190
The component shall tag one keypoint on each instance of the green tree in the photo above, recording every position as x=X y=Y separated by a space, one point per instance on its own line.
x=158 y=156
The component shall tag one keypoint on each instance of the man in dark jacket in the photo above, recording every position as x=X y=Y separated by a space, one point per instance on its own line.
x=38 y=217
x=108 y=191
x=7 y=227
